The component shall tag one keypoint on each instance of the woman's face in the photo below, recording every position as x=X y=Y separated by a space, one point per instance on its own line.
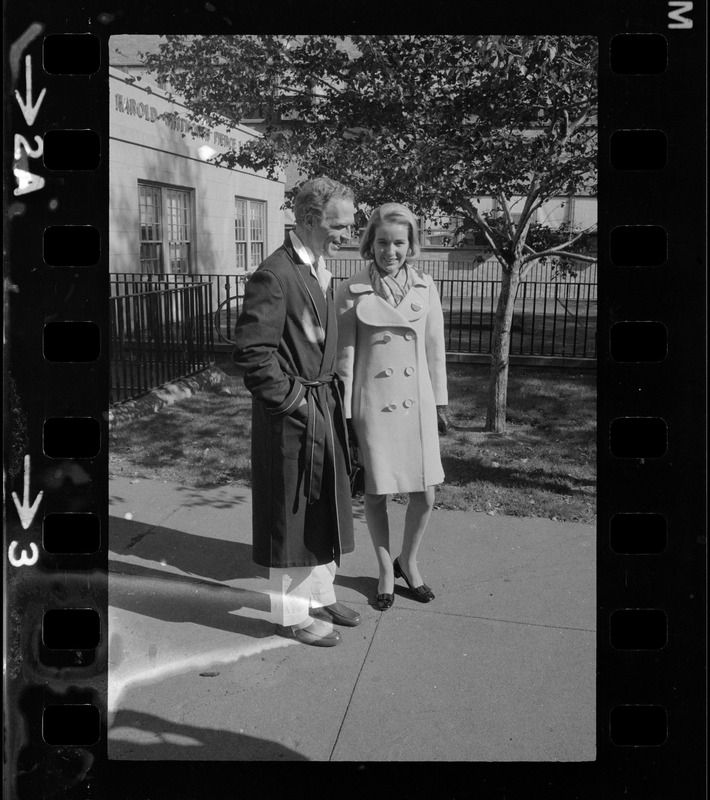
x=390 y=246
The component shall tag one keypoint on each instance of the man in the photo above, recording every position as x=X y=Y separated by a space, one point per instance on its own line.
x=286 y=343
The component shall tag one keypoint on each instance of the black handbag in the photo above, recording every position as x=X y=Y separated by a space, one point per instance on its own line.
x=357 y=471
x=357 y=480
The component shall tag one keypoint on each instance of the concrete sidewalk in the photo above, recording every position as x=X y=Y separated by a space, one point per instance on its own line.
x=500 y=667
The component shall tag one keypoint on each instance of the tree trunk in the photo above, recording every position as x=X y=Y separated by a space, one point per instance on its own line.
x=498 y=386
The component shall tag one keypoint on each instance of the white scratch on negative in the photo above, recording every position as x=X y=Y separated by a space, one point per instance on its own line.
x=118 y=686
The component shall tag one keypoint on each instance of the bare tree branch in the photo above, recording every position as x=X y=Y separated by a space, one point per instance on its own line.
x=484 y=227
x=574 y=256
x=503 y=200
x=557 y=249
x=528 y=209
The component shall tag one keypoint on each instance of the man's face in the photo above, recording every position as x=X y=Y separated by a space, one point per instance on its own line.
x=332 y=230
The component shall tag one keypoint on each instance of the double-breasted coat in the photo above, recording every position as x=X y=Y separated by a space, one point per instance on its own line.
x=393 y=365
x=286 y=341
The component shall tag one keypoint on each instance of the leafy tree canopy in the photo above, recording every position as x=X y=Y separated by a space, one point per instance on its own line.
x=435 y=122
x=430 y=121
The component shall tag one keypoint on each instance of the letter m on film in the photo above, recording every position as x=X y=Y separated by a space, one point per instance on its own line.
x=676 y=10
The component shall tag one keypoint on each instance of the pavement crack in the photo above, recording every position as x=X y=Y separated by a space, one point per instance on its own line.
x=520 y=622
x=493 y=619
x=355 y=685
x=138 y=537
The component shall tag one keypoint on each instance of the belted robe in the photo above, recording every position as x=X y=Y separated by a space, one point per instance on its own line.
x=286 y=342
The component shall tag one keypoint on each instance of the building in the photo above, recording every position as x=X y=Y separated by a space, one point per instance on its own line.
x=576 y=213
x=170 y=209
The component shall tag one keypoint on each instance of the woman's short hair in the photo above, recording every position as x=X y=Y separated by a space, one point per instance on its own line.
x=394 y=213
x=314 y=195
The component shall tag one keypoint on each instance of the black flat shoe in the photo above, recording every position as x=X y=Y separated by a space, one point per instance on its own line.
x=384 y=601
x=422 y=593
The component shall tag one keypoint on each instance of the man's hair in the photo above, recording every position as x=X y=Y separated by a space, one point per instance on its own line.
x=395 y=213
x=314 y=195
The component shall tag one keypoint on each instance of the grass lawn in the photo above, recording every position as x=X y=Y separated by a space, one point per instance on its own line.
x=544 y=466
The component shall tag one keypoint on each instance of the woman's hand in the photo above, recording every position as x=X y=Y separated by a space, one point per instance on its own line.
x=442 y=419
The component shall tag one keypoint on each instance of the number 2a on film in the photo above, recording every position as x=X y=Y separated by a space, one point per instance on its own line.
x=26 y=180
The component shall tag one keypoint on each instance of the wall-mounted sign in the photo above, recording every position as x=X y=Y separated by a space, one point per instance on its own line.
x=173 y=121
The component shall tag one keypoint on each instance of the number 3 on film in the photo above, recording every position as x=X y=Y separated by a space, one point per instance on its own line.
x=26 y=511
x=24 y=560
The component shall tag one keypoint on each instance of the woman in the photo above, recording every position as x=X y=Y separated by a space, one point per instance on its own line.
x=392 y=362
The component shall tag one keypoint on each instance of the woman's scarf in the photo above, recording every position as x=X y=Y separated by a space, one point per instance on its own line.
x=388 y=288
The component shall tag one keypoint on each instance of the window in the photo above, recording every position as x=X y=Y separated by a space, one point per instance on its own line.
x=249 y=232
x=151 y=228
x=178 y=230
x=165 y=220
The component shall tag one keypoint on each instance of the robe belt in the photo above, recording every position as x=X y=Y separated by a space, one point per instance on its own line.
x=317 y=428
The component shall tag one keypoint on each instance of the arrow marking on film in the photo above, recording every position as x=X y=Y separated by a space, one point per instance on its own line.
x=22 y=43
x=29 y=109
x=24 y=509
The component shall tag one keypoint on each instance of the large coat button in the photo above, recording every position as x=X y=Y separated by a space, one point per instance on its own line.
x=409 y=335
x=389 y=371
x=392 y=407
x=416 y=306
x=387 y=338
x=408 y=403
x=409 y=371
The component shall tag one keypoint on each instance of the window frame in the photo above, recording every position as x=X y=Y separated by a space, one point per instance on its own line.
x=247 y=258
x=166 y=244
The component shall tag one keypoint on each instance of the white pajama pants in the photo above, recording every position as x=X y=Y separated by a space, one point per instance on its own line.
x=294 y=589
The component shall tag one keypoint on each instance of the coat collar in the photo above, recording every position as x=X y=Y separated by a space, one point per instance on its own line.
x=291 y=250
x=360 y=282
x=323 y=305
x=318 y=267
x=373 y=310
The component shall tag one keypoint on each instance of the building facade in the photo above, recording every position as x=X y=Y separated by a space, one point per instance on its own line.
x=576 y=213
x=171 y=210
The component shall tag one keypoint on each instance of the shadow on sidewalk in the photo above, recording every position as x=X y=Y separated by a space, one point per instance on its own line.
x=219 y=497
x=167 y=741
x=176 y=598
x=367 y=586
x=216 y=559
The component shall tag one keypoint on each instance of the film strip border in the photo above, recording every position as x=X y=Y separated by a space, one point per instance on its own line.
x=648 y=400
x=56 y=370
x=651 y=398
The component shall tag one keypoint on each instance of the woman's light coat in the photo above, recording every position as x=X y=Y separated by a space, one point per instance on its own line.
x=393 y=365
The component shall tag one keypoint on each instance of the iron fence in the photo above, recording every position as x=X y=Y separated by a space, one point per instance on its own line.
x=555 y=315
x=487 y=274
x=549 y=320
x=227 y=290
x=159 y=335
